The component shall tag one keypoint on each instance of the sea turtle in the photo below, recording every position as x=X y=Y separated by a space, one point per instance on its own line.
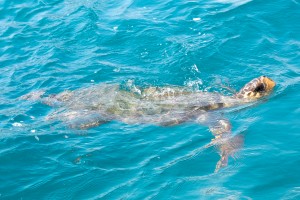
x=164 y=106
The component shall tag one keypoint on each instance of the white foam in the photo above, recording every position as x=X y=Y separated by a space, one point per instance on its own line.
x=117 y=69
x=194 y=83
x=194 y=67
x=17 y=124
x=233 y=2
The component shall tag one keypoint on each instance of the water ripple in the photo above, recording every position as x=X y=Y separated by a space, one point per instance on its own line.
x=53 y=46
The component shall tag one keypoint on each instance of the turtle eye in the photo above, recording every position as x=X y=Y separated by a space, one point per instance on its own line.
x=260 y=88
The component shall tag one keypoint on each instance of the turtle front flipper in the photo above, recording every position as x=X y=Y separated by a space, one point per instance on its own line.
x=223 y=162
x=221 y=129
x=228 y=147
x=217 y=125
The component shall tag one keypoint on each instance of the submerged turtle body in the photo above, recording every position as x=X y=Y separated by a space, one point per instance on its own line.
x=89 y=107
x=154 y=105
x=158 y=106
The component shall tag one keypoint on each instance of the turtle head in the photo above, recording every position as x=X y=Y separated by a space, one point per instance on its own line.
x=256 y=88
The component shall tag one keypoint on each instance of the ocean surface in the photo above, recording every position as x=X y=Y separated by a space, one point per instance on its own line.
x=55 y=45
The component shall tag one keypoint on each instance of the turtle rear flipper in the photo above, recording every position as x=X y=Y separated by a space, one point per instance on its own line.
x=172 y=119
x=33 y=96
x=57 y=100
x=38 y=96
x=86 y=121
x=86 y=124
x=78 y=119
x=171 y=122
x=54 y=100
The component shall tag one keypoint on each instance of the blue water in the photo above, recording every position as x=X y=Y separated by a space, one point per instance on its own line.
x=59 y=45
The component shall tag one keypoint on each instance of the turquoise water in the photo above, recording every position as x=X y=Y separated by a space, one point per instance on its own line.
x=59 y=45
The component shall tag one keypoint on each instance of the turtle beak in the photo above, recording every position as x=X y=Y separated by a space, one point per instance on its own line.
x=269 y=83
